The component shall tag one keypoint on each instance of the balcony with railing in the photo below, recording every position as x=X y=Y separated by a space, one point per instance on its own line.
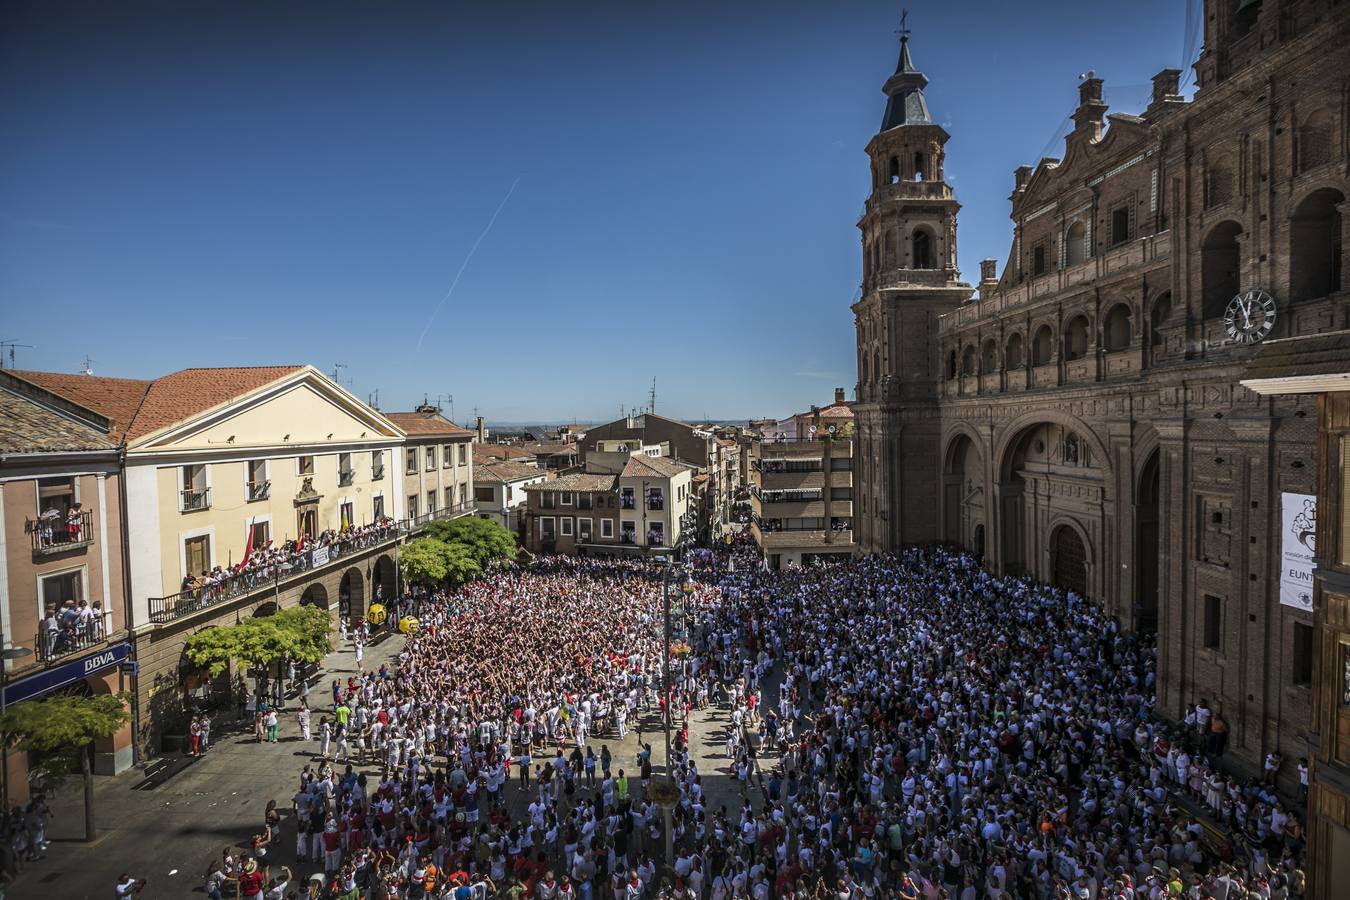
x=259 y=490
x=346 y=477
x=60 y=637
x=656 y=503
x=195 y=499
x=627 y=501
x=51 y=534
x=377 y=473
x=273 y=574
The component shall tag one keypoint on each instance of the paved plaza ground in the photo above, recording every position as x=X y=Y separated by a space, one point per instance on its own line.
x=168 y=833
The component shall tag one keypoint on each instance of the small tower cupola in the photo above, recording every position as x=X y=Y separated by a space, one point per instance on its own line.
x=904 y=91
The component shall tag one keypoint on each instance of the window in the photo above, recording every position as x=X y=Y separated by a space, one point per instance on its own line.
x=1117 y=327
x=345 y=474
x=1076 y=339
x=262 y=533
x=989 y=357
x=56 y=494
x=968 y=360
x=57 y=589
x=566 y=498
x=1316 y=246
x=565 y=524
x=377 y=507
x=1038 y=259
x=546 y=528
x=1343 y=557
x=1162 y=311
x=655 y=499
x=346 y=515
x=841 y=464
x=431 y=458
x=411 y=467
x=450 y=497
x=431 y=501
x=656 y=534
x=484 y=494
x=1075 y=244
x=1120 y=225
x=1220 y=264
x=922 y=257
x=463 y=454
x=1303 y=654
x=549 y=500
x=1213 y=622
x=447 y=456
x=304 y=465
x=584 y=530
x=412 y=506
x=376 y=465
x=196 y=492
x=197 y=554
x=607 y=528
x=1042 y=346
x=626 y=498
x=257 y=486
x=1012 y=355
x=1314 y=140
x=628 y=532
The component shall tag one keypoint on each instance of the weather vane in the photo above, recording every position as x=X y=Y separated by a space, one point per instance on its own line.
x=904 y=29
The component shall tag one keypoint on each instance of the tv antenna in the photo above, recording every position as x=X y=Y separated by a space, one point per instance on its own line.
x=87 y=367
x=337 y=369
x=651 y=403
x=373 y=399
x=11 y=345
x=448 y=398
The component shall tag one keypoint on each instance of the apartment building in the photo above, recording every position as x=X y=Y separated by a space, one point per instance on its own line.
x=499 y=491
x=437 y=462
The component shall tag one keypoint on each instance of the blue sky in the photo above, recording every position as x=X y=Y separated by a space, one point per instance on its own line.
x=676 y=186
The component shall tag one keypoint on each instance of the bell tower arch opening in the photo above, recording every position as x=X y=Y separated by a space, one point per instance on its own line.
x=1147 y=552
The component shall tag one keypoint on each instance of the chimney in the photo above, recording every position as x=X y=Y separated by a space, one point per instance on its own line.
x=1090 y=115
x=838 y=395
x=481 y=428
x=1021 y=175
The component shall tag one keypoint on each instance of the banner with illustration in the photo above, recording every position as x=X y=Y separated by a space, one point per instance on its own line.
x=1297 y=547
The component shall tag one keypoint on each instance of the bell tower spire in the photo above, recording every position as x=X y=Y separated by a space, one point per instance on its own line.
x=904 y=90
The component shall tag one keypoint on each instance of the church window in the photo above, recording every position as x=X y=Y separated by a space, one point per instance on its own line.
x=1041 y=346
x=922 y=256
x=895 y=170
x=1120 y=225
x=1314 y=140
x=1075 y=244
x=1076 y=338
x=1038 y=259
x=1117 y=327
x=1012 y=355
x=918 y=167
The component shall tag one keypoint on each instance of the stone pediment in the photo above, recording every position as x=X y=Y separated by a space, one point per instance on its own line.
x=307 y=495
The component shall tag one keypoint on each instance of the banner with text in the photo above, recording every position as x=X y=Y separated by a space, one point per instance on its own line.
x=1298 y=545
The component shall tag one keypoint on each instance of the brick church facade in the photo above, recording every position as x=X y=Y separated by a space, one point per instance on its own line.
x=1080 y=420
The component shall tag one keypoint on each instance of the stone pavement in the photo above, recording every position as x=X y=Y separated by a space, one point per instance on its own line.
x=168 y=833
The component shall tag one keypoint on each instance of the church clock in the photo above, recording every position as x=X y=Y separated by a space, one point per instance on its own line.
x=1250 y=316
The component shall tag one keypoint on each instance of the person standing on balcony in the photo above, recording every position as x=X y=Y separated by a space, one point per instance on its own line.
x=73 y=523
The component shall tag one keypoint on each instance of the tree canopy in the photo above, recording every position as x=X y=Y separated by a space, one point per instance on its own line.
x=63 y=722
x=455 y=551
x=300 y=633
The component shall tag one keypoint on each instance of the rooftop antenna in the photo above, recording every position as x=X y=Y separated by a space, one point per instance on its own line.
x=11 y=345
x=337 y=368
x=651 y=405
x=87 y=367
x=373 y=399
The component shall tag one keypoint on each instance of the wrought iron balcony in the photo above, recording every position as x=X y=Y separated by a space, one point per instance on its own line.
x=51 y=534
x=194 y=499
x=346 y=477
x=259 y=490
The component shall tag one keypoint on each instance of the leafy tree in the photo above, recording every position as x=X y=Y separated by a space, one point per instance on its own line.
x=485 y=540
x=63 y=726
x=300 y=633
x=423 y=562
x=460 y=564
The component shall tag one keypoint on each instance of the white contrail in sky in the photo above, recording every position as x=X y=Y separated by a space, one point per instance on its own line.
x=464 y=265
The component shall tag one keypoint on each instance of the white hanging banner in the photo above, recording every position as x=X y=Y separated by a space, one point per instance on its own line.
x=1297 y=547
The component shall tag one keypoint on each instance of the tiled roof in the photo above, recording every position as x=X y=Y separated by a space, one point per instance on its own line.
x=578 y=481
x=639 y=465
x=29 y=427
x=420 y=424
x=184 y=394
x=487 y=453
x=116 y=398
x=138 y=408
x=506 y=471
x=837 y=411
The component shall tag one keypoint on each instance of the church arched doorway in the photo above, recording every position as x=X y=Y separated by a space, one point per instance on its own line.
x=1147 y=557
x=962 y=491
x=352 y=595
x=1069 y=560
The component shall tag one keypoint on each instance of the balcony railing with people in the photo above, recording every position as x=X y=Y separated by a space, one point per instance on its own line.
x=193 y=499
x=272 y=567
x=454 y=510
x=53 y=532
x=259 y=490
x=656 y=503
x=62 y=634
x=627 y=501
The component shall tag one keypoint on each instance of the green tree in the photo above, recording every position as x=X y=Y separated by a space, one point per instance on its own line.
x=460 y=564
x=485 y=540
x=423 y=562
x=300 y=633
x=65 y=726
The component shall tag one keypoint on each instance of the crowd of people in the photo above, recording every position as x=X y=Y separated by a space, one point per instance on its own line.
x=271 y=560
x=893 y=727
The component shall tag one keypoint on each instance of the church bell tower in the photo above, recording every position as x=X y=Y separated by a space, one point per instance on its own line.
x=910 y=278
